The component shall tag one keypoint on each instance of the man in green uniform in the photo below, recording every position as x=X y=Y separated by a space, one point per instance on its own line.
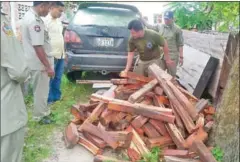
x=174 y=37
x=37 y=50
x=147 y=43
x=14 y=72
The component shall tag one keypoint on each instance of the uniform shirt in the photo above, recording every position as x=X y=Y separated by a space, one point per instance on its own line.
x=174 y=37
x=148 y=46
x=55 y=30
x=34 y=34
x=14 y=71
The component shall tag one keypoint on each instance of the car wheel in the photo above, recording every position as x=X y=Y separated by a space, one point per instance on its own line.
x=74 y=75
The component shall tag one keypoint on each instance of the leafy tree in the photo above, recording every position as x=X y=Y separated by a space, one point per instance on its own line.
x=204 y=15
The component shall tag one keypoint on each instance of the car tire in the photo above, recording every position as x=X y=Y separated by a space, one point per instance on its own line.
x=74 y=75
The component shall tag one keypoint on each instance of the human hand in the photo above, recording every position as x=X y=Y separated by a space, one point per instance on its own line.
x=169 y=62
x=50 y=72
x=180 y=61
x=124 y=73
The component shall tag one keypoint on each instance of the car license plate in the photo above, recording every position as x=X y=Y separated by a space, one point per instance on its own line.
x=105 y=42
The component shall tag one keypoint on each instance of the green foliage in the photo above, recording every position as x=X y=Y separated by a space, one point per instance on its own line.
x=218 y=154
x=204 y=15
x=38 y=137
x=153 y=156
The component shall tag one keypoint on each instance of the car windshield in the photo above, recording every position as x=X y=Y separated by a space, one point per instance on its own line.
x=104 y=17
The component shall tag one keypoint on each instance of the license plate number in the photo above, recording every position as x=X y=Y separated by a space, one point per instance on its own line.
x=105 y=42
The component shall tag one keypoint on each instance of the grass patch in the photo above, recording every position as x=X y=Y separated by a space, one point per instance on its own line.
x=38 y=137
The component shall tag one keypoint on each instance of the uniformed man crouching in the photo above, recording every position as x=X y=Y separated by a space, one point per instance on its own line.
x=147 y=43
x=37 y=49
x=14 y=71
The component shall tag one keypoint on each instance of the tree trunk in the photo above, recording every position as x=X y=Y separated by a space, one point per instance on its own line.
x=225 y=133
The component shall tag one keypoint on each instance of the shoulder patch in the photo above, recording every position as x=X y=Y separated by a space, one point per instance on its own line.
x=149 y=45
x=7 y=29
x=37 y=28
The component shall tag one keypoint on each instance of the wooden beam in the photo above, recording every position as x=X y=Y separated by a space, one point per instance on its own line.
x=95 y=140
x=89 y=145
x=141 y=92
x=184 y=101
x=77 y=113
x=93 y=81
x=208 y=126
x=139 y=121
x=188 y=94
x=71 y=136
x=176 y=135
x=99 y=109
x=166 y=76
x=153 y=112
x=133 y=154
x=109 y=118
x=118 y=117
x=159 y=126
x=200 y=134
x=142 y=148
x=87 y=107
x=177 y=159
x=203 y=152
x=179 y=108
x=124 y=138
x=179 y=122
x=150 y=131
x=132 y=75
x=124 y=81
x=104 y=135
x=174 y=152
x=200 y=121
x=159 y=141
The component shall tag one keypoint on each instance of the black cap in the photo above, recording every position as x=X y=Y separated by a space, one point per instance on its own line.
x=36 y=3
x=59 y=3
x=168 y=15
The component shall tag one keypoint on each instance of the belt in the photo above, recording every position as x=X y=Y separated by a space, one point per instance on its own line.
x=150 y=59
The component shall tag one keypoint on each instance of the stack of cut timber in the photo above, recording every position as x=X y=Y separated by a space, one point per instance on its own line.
x=138 y=113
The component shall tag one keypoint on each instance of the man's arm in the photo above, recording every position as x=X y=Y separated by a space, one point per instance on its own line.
x=180 y=43
x=36 y=31
x=166 y=50
x=131 y=49
x=149 y=26
x=129 y=61
x=42 y=56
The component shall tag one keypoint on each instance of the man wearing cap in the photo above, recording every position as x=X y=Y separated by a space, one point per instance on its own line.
x=37 y=49
x=173 y=35
x=147 y=43
x=14 y=71
x=55 y=29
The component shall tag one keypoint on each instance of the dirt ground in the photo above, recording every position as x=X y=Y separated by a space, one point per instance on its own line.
x=62 y=154
x=76 y=154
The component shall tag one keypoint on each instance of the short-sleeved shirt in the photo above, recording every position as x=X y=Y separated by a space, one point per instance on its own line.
x=173 y=35
x=148 y=46
x=34 y=34
x=55 y=30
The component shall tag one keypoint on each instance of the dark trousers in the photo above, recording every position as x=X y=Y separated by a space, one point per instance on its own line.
x=55 y=83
